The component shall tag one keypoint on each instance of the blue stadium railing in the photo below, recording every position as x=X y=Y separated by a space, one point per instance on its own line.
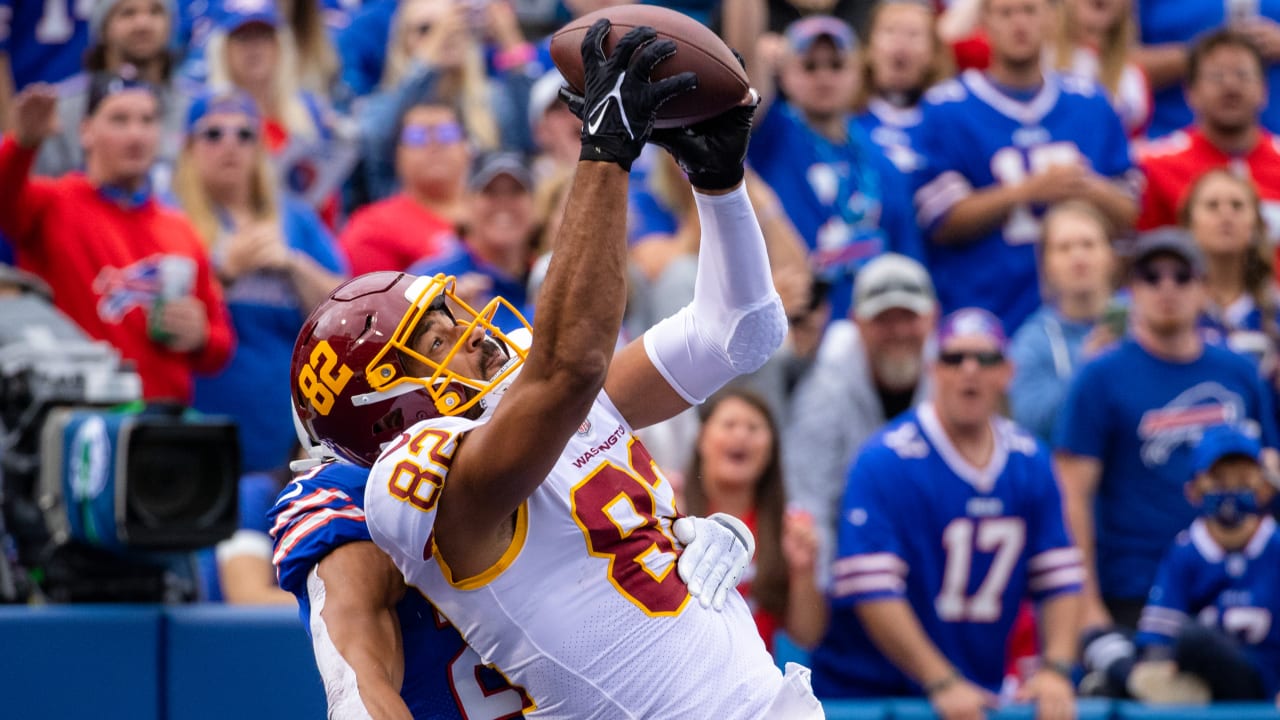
x=203 y=662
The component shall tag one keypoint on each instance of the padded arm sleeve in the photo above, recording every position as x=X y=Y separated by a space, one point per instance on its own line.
x=736 y=321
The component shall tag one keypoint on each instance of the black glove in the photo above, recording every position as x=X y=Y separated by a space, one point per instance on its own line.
x=620 y=104
x=713 y=151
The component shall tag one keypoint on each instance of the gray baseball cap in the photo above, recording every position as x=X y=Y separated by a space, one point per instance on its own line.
x=893 y=281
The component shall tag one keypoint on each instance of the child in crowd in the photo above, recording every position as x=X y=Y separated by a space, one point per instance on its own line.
x=1208 y=629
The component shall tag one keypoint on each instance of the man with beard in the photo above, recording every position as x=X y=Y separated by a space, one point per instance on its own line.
x=868 y=370
x=130 y=38
x=1227 y=90
x=1132 y=418
x=1000 y=147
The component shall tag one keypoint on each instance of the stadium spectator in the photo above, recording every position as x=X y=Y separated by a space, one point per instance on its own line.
x=127 y=36
x=1131 y=419
x=127 y=270
x=1002 y=146
x=844 y=197
x=1206 y=631
x=951 y=518
x=1077 y=321
x=1092 y=40
x=737 y=469
x=904 y=57
x=437 y=50
x=1227 y=90
x=1222 y=213
x=274 y=257
x=497 y=246
x=418 y=222
x=1169 y=30
x=251 y=51
x=868 y=370
x=554 y=129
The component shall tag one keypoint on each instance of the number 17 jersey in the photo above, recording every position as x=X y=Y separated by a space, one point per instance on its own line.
x=585 y=610
x=962 y=545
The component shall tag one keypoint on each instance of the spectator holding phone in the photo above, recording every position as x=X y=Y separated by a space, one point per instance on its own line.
x=1078 y=319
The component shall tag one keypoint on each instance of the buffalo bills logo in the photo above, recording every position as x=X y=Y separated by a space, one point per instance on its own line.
x=120 y=290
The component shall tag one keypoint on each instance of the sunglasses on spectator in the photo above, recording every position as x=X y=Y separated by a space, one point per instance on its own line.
x=984 y=358
x=214 y=133
x=1153 y=276
x=812 y=66
x=423 y=135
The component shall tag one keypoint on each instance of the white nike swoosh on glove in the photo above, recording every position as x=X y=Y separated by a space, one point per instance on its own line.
x=596 y=116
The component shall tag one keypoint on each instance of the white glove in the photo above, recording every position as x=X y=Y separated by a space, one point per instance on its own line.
x=717 y=550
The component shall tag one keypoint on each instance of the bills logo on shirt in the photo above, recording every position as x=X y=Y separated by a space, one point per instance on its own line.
x=139 y=284
x=1184 y=418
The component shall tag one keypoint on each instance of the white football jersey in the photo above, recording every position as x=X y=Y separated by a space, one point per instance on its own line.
x=585 y=610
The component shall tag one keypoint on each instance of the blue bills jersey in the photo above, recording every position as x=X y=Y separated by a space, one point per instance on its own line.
x=962 y=545
x=444 y=679
x=1237 y=592
x=1141 y=416
x=846 y=200
x=974 y=137
x=44 y=39
x=896 y=131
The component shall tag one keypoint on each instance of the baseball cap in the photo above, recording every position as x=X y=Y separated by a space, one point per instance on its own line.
x=802 y=33
x=1221 y=441
x=972 y=322
x=490 y=165
x=232 y=101
x=1169 y=241
x=238 y=13
x=104 y=85
x=543 y=95
x=893 y=281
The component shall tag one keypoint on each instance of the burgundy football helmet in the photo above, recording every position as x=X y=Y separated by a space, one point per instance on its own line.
x=351 y=391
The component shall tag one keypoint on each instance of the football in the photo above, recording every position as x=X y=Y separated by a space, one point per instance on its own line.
x=722 y=83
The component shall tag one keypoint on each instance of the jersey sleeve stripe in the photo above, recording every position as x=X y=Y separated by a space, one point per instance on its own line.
x=1057 y=579
x=305 y=503
x=1051 y=559
x=940 y=195
x=871 y=562
x=865 y=584
x=310 y=525
x=1159 y=625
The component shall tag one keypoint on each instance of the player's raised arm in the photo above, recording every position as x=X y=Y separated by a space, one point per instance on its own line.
x=735 y=321
x=579 y=312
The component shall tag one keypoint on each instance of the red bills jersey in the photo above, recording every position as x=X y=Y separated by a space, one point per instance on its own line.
x=1172 y=164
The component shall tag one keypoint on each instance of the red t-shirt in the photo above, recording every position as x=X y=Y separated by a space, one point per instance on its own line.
x=766 y=622
x=1174 y=162
x=104 y=263
x=393 y=234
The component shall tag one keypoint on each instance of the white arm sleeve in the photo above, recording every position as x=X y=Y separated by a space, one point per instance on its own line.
x=736 y=321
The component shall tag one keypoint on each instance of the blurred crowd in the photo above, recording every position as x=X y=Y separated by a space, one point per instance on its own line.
x=1059 y=211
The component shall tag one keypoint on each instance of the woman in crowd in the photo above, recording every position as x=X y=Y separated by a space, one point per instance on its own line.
x=275 y=260
x=737 y=469
x=252 y=52
x=1093 y=41
x=1078 y=319
x=904 y=57
x=317 y=60
x=436 y=48
x=1222 y=213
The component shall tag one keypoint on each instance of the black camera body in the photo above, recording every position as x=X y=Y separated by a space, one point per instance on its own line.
x=102 y=494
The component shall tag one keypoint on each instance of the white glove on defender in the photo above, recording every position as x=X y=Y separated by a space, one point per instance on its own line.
x=717 y=550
